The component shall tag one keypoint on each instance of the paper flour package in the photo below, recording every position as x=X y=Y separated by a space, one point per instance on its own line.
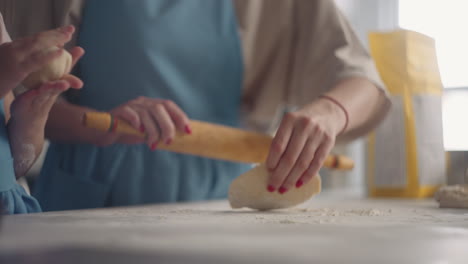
x=406 y=156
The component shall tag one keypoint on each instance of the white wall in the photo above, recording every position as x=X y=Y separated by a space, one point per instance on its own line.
x=370 y=15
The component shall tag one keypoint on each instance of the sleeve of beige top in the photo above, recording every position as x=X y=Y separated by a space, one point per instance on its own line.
x=26 y=17
x=4 y=37
x=328 y=51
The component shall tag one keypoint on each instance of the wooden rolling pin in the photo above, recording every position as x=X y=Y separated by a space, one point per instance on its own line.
x=210 y=140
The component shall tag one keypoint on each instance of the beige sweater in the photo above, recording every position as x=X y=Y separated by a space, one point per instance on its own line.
x=294 y=50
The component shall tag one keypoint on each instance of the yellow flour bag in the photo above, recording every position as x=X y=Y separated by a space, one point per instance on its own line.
x=406 y=155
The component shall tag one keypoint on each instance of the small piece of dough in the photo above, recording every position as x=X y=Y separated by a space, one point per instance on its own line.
x=53 y=71
x=250 y=190
x=455 y=196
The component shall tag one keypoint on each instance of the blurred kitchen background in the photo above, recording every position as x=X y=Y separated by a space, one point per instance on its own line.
x=447 y=23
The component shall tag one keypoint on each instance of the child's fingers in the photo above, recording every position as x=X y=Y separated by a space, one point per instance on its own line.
x=55 y=86
x=77 y=53
x=48 y=93
x=74 y=81
x=47 y=39
x=52 y=89
x=39 y=59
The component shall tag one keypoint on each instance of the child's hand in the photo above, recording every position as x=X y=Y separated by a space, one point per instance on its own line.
x=33 y=106
x=29 y=113
x=23 y=56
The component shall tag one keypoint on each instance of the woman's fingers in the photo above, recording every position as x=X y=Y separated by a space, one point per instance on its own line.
x=129 y=115
x=158 y=119
x=303 y=163
x=317 y=162
x=166 y=125
x=178 y=116
x=288 y=160
x=280 y=142
x=150 y=127
x=298 y=150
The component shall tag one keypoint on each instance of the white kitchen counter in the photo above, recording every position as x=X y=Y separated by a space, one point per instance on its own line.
x=325 y=230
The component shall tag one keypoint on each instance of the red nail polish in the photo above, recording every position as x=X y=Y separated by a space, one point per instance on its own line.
x=169 y=141
x=271 y=188
x=115 y=125
x=154 y=146
x=282 y=190
x=142 y=129
x=188 y=130
x=299 y=183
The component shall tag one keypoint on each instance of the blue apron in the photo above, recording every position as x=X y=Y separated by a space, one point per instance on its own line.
x=13 y=197
x=185 y=51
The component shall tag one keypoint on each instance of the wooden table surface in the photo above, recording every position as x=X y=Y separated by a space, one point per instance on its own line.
x=327 y=229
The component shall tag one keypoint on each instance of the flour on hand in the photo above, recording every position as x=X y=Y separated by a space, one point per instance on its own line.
x=27 y=158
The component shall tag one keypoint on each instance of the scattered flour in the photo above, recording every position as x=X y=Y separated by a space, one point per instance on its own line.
x=185 y=211
x=351 y=212
x=368 y=212
x=287 y=221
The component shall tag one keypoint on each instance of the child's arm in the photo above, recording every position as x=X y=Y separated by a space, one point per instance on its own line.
x=21 y=57
x=27 y=114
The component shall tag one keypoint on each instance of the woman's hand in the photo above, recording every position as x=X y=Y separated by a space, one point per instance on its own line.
x=21 y=57
x=158 y=118
x=303 y=141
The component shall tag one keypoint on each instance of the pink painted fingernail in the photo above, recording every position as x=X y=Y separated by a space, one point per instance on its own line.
x=154 y=146
x=282 y=190
x=299 y=183
x=142 y=128
x=169 y=141
x=271 y=188
x=188 y=130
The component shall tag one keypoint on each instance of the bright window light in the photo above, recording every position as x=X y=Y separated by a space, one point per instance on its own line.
x=447 y=22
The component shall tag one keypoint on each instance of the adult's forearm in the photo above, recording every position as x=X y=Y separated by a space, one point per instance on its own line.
x=65 y=124
x=364 y=102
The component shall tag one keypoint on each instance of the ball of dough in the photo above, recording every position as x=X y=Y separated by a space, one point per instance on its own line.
x=249 y=190
x=53 y=71
x=455 y=196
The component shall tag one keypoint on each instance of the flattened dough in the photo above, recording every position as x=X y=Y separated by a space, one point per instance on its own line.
x=249 y=190
x=53 y=71
x=455 y=196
